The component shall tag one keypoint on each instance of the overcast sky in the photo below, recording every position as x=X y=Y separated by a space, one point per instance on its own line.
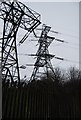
x=63 y=18
x=50 y=0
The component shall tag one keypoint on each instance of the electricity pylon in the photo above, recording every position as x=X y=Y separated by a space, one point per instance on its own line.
x=15 y=15
x=43 y=65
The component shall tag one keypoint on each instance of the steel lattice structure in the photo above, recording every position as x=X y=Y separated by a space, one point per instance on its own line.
x=43 y=57
x=15 y=15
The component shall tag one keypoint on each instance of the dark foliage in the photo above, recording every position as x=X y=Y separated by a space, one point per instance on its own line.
x=52 y=98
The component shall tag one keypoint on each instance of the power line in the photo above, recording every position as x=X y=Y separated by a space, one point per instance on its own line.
x=56 y=32
x=61 y=33
x=63 y=45
x=72 y=47
x=58 y=63
x=61 y=40
x=67 y=60
x=56 y=39
x=59 y=58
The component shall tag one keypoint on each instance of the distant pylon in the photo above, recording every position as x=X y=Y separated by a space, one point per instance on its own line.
x=43 y=65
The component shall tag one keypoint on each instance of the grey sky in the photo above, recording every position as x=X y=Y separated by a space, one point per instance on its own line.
x=50 y=0
x=62 y=17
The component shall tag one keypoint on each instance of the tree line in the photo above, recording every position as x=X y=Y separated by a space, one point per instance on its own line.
x=55 y=97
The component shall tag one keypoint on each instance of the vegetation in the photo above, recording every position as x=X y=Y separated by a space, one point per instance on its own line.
x=57 y=97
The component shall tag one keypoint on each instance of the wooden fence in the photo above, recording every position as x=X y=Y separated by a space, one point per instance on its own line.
x=40 y=101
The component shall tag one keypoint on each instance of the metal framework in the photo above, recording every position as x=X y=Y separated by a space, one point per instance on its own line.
x=15 y=15
x=43 y=57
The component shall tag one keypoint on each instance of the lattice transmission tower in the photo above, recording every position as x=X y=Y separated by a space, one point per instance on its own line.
x=15 y=15
x=43 y=65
